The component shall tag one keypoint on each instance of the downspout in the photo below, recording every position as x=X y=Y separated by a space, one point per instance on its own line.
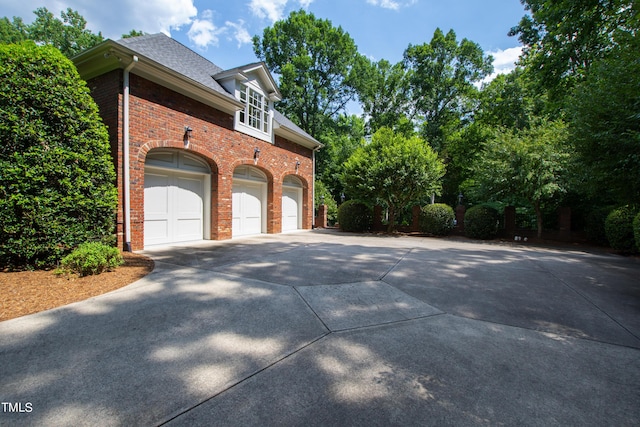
x=313 y=187
x=125 y=166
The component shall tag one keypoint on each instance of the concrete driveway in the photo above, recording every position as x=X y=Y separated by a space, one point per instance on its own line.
x=326 y=328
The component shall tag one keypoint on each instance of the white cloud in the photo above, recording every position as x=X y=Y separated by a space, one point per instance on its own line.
x=391 y=4
x=204 y=33
x=273 y=9
x=157 y=15
x=240 y=33
x=504 y=61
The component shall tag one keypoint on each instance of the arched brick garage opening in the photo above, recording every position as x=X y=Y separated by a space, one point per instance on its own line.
x=177 y=197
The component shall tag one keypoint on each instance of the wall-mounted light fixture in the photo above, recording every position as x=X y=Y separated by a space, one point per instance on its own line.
x=256 y=154
x=187 y=136
x=297 y=166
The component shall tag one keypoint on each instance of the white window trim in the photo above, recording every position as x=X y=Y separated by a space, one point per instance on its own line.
x=243 y=127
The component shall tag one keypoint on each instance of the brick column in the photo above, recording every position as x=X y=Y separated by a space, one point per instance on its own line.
x=415 y=218
x=321 y=219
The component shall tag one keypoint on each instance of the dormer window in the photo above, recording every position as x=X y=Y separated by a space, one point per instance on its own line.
x=256 y=109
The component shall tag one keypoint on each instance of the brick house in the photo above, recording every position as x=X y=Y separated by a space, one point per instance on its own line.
x=200 y=152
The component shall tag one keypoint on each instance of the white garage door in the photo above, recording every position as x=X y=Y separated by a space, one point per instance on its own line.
x=291 y=204
x=249 y=201
x=174 y=205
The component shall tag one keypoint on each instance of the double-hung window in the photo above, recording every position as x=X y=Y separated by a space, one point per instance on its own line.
x=256 y=109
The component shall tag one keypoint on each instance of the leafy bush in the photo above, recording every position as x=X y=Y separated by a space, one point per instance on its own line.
x=354 y=216
x=92 y=258
x=56 y=173
x=619 y=229
x=636 y=230
x=481 y=222
x=437 y=219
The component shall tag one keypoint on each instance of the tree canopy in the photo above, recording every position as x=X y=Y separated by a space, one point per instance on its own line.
x=441 y=77
x=530 y=165
x=394 y=170
x=315 y=62
x=69 y=34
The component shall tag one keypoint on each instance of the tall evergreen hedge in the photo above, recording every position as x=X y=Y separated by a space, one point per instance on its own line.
x=56 y=173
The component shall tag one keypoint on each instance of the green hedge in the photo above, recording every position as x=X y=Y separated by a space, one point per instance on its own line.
x=481 y=222
x=56 y=172
x=355 y=216
x=437 y=219
x=619 y=229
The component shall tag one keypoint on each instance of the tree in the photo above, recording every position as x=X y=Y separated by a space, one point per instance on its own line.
x=604 y=114
x=562 y=38
x=315 y=63
x=12 y=31
x=383 y=92
x=441 y=77
x=394 y=170
x=340 y=141
x=530 y=165
x=57 y=181
x=68 y=34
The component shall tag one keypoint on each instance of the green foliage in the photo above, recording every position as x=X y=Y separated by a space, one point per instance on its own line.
x=354 y=216
x=340 y=141
x=56 y=172
x=393 y=170
x=619 y=229
x=92 y=258
x=481 y=222
x=636 y=230
x=605 y=124
x=437 y=219
x=68 y=34
x=530 y=165
x=562 y=38
x=323 y=194
x=441 y=76
x=384 y=93
x=315 y=62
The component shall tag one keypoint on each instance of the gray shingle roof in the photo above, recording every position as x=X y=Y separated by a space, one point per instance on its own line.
x=174 y=55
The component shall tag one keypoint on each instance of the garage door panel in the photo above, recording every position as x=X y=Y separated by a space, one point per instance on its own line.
x=189 y=195
x=247 y=208
x=174 y=207
x=156 y=192
x=289 y=209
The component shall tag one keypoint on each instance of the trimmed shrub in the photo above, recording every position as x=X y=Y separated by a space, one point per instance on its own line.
x=92 y=258
x=56 y=172
x=481 y=222
x=354 y=216
x=619 y=229
x=636 y=230
x=437 y=219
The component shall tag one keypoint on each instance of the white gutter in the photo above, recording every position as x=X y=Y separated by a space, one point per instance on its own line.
x=125 y=137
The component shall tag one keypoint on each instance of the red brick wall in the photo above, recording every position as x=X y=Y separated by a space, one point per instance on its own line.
x=157 y=120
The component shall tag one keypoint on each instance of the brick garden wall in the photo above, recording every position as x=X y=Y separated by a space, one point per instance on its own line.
x=157 y=119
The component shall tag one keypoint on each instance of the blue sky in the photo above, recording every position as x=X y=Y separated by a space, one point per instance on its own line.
x=221 y=30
